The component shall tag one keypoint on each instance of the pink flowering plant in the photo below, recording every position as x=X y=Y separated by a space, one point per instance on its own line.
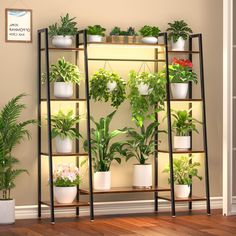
x=66 y=175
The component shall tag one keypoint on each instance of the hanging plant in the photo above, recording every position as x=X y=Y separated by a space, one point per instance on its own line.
x=107 y=86
x=147 y=94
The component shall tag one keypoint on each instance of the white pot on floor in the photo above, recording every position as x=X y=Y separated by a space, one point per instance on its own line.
x=63 y=89
x=7 y=211
x=144 y=89
x=182 y=142
x=179 y=45
x=95 y=38
x=142 y=176
x=179 y=90
x=182 y=190
x=149 y=40
x=102 y=180
x=63 y=145
x=61 y=41
x=65 y=194
x=111 y=86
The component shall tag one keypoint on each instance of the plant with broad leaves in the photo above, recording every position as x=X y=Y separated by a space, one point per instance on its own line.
x=96 y=30
x=149 y=31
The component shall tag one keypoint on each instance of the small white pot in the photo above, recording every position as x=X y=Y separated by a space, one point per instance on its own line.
x=182 y=142
x=61 y=41
x=149 y=40
x=7 y=211
x=95 y=38
x=111 y=86
x=179 y=45
x=182 y=190
x=63 y=89
x=63 y=145
x=102 y=180
x=65 y=194
x=142 y=176
x=144 y=89
x=179 y=90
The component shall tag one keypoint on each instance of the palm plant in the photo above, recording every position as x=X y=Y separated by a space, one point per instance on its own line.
x=12 y=133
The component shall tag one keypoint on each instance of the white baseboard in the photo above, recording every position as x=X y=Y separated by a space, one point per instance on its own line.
x=114 y=208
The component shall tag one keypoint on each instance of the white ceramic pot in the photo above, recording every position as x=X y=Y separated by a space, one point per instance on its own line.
x=182 y=142
x=61 y=41
x=95 y=38
x=142 y=176
x=102 y=180
x=111 y=86
x=182 y=190
x=179 y=90
x=63 y=89
x=144 y=89
x=149 y=40
x=179 y=45
x=7 y=211
x=63 y=145
x=65 y=194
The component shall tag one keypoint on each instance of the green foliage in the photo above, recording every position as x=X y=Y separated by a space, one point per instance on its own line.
x=147 y=30
x=63 y=125
x=96 y=30
x=145 y=106
x=99 y=90
x=66 y=27
x=180 y=74
x=178 y=29
x=12 y=133
x=62 y=182
x=184 y=170
x=118 y=32
x=103 y=151
x=115 y=31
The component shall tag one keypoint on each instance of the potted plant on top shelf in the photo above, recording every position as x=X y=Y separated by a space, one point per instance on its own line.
x=12 y=133
x=150 y=34
x=178 y=34
x=62 y=33
x=64 y=130
x=95 y=33
x=184 y=170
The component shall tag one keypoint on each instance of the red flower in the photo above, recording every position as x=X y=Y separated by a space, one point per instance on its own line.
x=183 y=62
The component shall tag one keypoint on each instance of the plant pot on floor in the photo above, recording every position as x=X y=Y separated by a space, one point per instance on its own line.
x=179 y=45
x=149 y=40
x=65 y=195
x=182 y=142
x=95 y=38
x=63 y=145
x=142 y=176
x=179 y=90
x=61 y=41
x=63 y=89
x=102 y=180
x=182 y=190
x=7 y=211
x=111 y=86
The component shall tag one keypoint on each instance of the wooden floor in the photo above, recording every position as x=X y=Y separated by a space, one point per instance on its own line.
x=144 y=224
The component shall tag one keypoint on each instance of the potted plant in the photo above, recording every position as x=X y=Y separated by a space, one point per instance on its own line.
x=95 y=33
x=183 y=124
x=103 y=151
x=178 y=34
x=65 y=180
x=63 y=74
x=121 y=36
x=62 y=33
x=146 y=95
x=184 y=170
x=64 y=130
x=150 y=34
x=12 y=133
x=107 y=86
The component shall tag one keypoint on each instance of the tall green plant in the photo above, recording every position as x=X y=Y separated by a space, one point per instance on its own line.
x=12 y=133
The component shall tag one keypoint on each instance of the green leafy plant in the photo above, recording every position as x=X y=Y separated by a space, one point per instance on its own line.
x=63 y=125
x=100 y=92
x=103 y=151
x=96 y=30
x=184 y=170
x=143 y=107
x=116 y=31
x=131 y=31
x=177 y=29
x=12 y=133
x=66 y=27
x=147 y=31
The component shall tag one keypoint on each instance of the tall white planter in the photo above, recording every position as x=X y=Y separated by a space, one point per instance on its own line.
x=63 y=145
x=63 y=89
x=95 y=38
x=179 y=45
x=149 y=40
x=142 y=176
x=61 y=41
x=65 y=194
x=182 y=190
x=182 y=142
x=111 y=86
x=179 y=90
x=7 y=211
x=102 y=180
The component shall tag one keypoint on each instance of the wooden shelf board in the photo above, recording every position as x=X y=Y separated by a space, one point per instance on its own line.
x=181 y=151
x=186 y=100
x=63 y=49
x=180 y=52
x=65 y=100
x=189 y=199
x=73 y=204
x=64 y=154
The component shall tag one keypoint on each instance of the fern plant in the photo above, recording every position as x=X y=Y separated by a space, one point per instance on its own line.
x=12 y=133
